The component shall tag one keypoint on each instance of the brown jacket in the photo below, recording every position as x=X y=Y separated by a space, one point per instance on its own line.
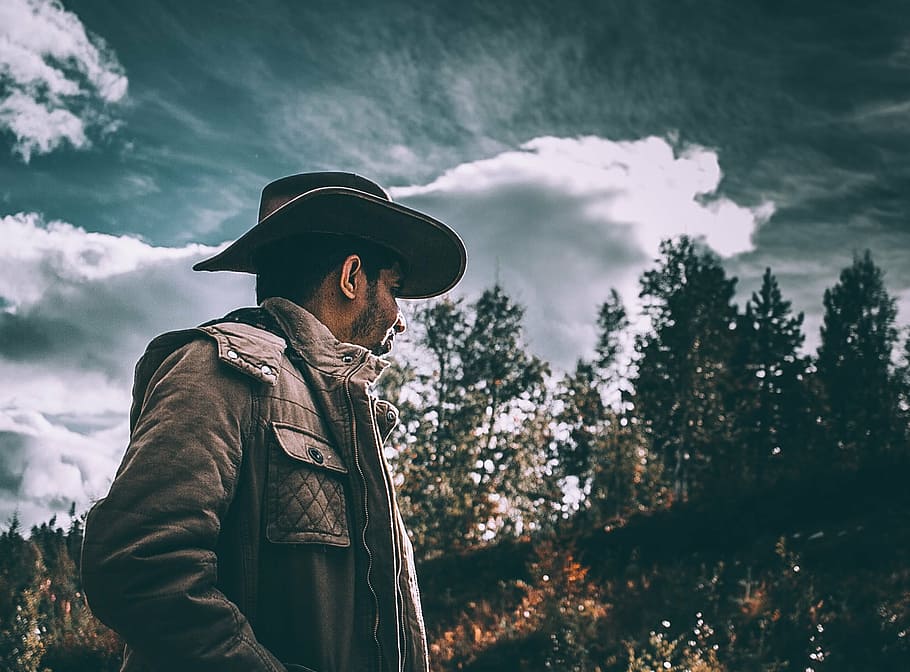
x=252 y=525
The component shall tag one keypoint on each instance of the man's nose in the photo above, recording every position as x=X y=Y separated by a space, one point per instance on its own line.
x=400 y=323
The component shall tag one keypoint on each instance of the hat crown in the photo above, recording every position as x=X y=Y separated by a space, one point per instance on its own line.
x=342 y=203
x=281 y=192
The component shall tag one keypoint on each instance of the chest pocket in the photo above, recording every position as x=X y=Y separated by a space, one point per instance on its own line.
x=306 y=489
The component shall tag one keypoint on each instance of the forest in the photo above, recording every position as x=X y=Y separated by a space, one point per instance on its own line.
x=701 y=495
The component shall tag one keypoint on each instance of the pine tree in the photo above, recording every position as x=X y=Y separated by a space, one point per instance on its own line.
x=475 y=449
x=22 y=580
x=503 y=390
x=430 y=467
x=772 y=405
x=600 y=455
x=583 y=416
x=45 y=622
x=859 y=389
x=626 y=475
x=683 y=373
x=903 y=386
x=612 y=325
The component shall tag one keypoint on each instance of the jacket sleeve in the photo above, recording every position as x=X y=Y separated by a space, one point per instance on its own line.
x=149 y=566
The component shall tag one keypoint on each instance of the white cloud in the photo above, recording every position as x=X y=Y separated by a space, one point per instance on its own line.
x=562 y=220
x=40 y=127
x=58 y=466
x=58 y=79
x=78 y=308
x=37 y=256
x=643 y=184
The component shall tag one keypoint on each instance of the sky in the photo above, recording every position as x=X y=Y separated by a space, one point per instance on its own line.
x=562 y=140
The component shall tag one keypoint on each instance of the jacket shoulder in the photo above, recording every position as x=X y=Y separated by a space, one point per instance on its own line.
x=249 y=349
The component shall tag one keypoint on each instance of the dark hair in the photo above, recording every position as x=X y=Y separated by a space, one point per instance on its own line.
x=294 y=268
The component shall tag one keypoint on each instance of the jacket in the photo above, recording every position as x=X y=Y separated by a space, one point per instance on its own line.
x=252 y=524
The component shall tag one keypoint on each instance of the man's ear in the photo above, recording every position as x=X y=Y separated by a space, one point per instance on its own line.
x=351 y=276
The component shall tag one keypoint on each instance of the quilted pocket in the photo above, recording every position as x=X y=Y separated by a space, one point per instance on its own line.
x=306 y=499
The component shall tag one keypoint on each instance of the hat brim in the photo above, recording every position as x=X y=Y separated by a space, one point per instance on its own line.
x=433 y=254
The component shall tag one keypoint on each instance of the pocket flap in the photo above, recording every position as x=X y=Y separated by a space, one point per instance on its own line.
x=306 y=446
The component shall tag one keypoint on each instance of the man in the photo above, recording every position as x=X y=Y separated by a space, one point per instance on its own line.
x=252 y=525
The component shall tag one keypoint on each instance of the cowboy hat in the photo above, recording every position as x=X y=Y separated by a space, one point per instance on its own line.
x=433 y=256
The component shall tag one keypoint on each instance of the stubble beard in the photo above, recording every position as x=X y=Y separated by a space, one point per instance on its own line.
x=367 y=323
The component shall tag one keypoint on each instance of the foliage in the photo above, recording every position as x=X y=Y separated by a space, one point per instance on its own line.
x=855 y=363
x=673 y=655
x=21 y=643
x=45 y=623
x=473 y=460
x=771 y=403
x=599 y=450
x=902 y=377
x=683 y=373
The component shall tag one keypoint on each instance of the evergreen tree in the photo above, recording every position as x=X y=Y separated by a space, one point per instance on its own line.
x=626 y=475
x=858 y=337
x=903 y=387
x=430 y=467
x=475 y=448
x=22 y=578
x=683 y=375
x=504 y=390
x=600 y=455
x=612 y=325
x=772 y=406
x=582 y=423
x=44 y=620
x=22 y=645
x=583 y=417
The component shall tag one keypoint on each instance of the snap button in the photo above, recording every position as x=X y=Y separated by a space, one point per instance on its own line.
x=266 y=370
x=347 y=359
x=232 y=354
x=390 y=416
x=316 y=455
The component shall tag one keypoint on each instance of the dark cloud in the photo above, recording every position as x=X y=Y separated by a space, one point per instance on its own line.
x=23 y=338
x=12 y=461
x=102 y=325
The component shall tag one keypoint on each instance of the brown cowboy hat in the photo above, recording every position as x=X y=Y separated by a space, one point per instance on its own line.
x=433 y=255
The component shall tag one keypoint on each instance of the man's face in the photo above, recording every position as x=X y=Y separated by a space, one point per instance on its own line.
x=379 y=319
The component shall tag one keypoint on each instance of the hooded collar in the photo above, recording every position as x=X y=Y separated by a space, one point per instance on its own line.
x=315 y=344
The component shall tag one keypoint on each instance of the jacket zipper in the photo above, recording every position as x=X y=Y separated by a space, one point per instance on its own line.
x=395 y=529
x=366 y=513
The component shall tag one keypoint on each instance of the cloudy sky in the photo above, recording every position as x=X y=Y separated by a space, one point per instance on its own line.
x=563 y=140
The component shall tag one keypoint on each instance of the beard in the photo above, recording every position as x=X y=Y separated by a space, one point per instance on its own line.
x=367 y=325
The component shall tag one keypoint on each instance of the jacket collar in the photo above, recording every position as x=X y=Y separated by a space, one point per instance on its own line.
x=314 y=343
